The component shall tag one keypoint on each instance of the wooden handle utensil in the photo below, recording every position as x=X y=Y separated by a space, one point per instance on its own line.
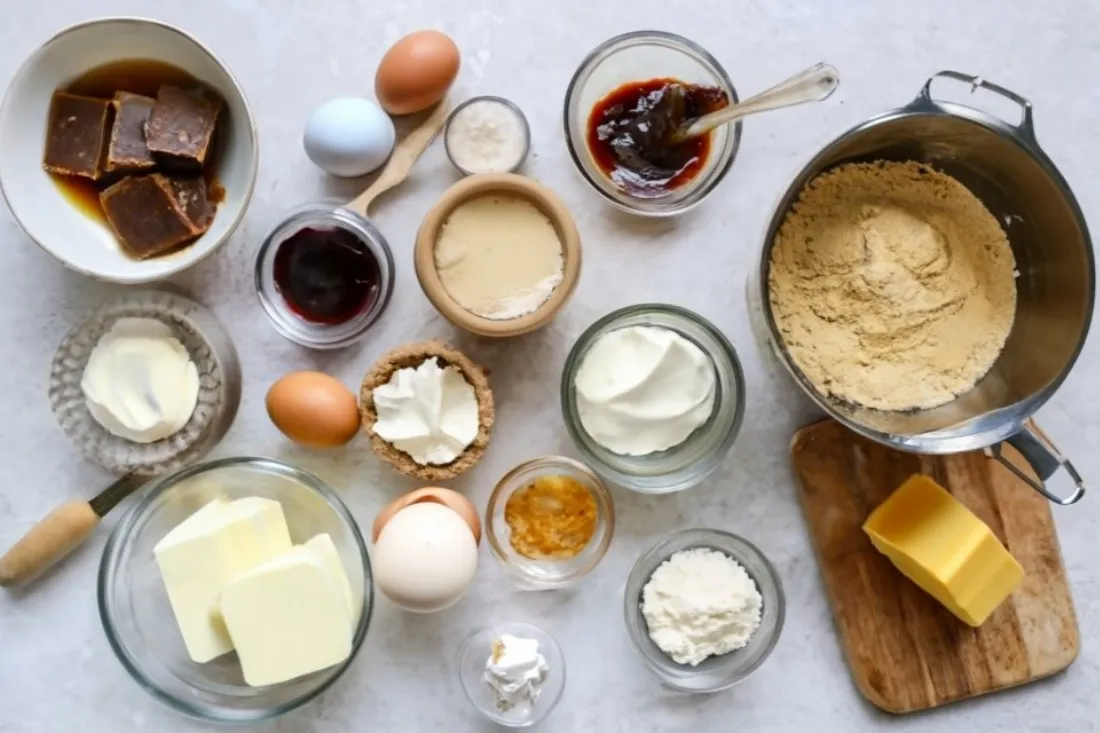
x=403 y=158
x=60 y=532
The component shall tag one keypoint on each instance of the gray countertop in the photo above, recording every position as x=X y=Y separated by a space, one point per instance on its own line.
x=57 y=672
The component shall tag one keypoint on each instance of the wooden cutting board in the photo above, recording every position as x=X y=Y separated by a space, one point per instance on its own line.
x=905 y=651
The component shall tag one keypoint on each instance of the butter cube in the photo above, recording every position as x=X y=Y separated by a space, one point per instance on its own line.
x=326 y=550
x=289 y=616
x=941 y=546
x=199 y=556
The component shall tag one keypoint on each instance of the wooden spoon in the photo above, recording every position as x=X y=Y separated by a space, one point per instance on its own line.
x=403 y=158
x=811 y=85
x=61 y=531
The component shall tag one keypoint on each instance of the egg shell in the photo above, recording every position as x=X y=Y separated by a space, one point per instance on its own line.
x=416 y=72
x=425 y=558
x=313 y=409
x=448 y=498
x=349 y=137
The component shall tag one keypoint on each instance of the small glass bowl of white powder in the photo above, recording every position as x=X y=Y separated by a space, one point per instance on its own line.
x=487 y=135
x=691 y=597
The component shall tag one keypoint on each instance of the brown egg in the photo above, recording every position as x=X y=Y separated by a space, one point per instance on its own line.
x=313 y=409
x=448 y=498
x=416 y=72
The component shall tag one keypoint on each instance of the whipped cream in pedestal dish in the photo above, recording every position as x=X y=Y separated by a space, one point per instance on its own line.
x=515 y=670
x=643 y=389
x=429 y=412
x=140 y=383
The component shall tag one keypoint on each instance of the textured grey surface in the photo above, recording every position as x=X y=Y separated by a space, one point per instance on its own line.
x=56 y=671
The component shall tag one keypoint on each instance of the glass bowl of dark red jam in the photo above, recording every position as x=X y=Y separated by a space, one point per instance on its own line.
x=324 y=276
x=620 y=92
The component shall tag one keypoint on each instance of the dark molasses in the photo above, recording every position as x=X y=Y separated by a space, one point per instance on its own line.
x=327 y=276
x=629 y=130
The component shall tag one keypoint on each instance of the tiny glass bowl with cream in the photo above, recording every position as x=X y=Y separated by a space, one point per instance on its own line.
x=143 y=621
x=513 y=673
x=653 y=397
x=549 y=522
x=498 y=255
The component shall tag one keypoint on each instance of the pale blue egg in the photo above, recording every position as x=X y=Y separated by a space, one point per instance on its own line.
x=349 y=136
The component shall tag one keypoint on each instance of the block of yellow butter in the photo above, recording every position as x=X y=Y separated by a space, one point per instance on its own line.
x=201 y=554
x=291 y=615
x=946 y=550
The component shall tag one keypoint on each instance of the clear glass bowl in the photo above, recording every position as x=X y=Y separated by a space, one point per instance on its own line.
x=548 y=574
x=688 y=463
x=639 y=56
x=474 y=653
x=138 y=619
x=719 y=672
x=508 y=104
x=291 y=325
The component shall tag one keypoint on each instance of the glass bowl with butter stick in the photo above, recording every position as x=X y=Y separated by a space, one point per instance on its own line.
x=236 y=590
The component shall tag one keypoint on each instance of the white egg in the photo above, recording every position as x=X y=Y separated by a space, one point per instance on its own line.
x=349 y=136
x=425 y=558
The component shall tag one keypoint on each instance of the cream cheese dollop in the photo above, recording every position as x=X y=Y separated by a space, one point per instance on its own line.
x=429 y=412
x=643 y=389
x=515 y=671
x=140 y=383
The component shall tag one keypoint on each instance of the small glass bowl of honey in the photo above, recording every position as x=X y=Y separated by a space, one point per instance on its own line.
x=633 y=68
x=549 y=522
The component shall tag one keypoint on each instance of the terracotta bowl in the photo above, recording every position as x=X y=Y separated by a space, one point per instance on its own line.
x=497 y=183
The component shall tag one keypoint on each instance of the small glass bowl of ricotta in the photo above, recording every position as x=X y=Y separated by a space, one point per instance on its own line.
x=564 y=508
x=721 y=671
x=653 y=397
x=138 y=617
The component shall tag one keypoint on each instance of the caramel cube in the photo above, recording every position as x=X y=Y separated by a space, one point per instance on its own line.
x=181 y=126
x=190 y=192
x=126 y=150
x=76 y=135
x=146 y=215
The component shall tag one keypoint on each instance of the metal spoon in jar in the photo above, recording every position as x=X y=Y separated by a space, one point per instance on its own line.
x=811 y=85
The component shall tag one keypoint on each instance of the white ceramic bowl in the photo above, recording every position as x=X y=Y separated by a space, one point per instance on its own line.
x=36 y=202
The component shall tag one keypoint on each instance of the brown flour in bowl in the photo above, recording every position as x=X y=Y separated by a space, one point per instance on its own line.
x=892 y=285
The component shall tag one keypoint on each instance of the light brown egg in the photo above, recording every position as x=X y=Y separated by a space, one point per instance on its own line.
x=448 y=498
x=416 y=72
x=313 y=409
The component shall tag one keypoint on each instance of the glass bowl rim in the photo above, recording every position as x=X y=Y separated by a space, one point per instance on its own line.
x=596 y=487
x=108 y=565
x=336 y=213
x=693 y=198
x=464 y=647
x=574 y=359
x=710 y=538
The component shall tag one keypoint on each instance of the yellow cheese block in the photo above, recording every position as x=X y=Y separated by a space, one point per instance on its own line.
x=946 y=550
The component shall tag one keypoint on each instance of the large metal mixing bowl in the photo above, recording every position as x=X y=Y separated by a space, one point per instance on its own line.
x=1004 y=166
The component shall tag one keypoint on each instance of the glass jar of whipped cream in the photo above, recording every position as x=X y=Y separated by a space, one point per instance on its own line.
x=697 y=389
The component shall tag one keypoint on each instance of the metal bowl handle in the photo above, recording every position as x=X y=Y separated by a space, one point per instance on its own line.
x=1044 y=457
x=1026 y=126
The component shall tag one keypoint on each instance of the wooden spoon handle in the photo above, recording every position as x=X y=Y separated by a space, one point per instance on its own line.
x=403 y=158
x=54 y=537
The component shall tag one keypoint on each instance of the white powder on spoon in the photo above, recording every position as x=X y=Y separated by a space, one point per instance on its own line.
x=700 y=603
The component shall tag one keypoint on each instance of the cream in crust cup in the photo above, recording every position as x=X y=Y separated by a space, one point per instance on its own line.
x=413 y=355
x=486 y=184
